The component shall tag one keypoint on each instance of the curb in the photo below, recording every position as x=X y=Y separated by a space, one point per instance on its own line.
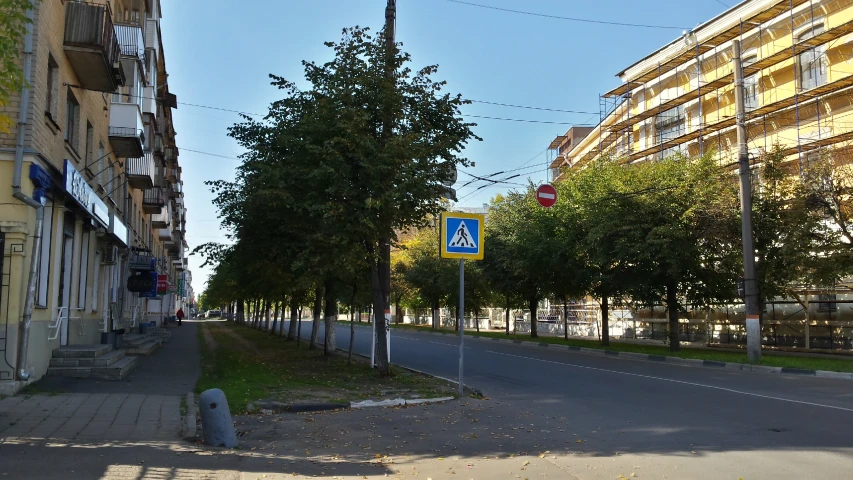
x=190 y=420
x=685 y=362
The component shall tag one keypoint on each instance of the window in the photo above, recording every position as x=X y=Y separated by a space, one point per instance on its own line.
x=52 y=87
x=827 y=303
x=812 y=63
x=44 y=255
x=84 y=269
x=109 y=180
x=669 y=125
x=96 y=279
x=100 y=166
x=72 y=119
x=88 y=155
x=750 y=85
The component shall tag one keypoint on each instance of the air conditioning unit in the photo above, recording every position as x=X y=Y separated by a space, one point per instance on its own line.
x=110 y=255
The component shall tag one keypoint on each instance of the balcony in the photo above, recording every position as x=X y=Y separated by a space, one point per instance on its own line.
x=177 y=190
x=149 y=101
x=153 y=200
x=171 y=154
x=162 y=219
x=130 y=41
x=91 y=46
x=126 y=130
x=165 y=234
x=140 y=171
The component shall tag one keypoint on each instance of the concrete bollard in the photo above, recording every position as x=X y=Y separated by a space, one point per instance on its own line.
x=216 y=423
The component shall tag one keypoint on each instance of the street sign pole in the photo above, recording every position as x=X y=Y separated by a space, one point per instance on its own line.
x=461 y=323
x=462 y=236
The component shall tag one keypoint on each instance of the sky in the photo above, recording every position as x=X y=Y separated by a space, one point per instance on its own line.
x=219 y=54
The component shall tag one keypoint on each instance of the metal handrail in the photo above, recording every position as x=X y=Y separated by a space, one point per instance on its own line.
x=61 y=317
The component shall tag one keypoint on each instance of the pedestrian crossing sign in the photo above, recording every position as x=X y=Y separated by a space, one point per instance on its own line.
x=462 y=235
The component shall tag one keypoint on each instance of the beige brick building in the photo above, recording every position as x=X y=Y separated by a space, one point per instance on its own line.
x=92 y=159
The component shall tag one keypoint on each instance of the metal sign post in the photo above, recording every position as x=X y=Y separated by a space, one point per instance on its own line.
x=462 y=236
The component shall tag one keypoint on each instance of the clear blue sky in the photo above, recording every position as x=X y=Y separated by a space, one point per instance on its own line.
x=219 y=53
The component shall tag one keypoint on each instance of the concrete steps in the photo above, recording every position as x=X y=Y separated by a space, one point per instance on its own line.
x=90 y=361
x=145 y=344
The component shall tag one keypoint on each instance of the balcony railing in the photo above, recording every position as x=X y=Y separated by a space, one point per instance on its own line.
x=153 y=200
x=163 y=219
x=130 y=41
x=91 y=46
x=140 y=171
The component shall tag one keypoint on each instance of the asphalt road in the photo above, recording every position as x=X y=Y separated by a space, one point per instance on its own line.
x=734 y=424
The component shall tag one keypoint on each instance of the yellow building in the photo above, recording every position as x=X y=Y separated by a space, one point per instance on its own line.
x=797 y=63
x=92 y=160
x=798 y=75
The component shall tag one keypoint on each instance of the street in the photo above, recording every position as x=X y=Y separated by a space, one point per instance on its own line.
x=736 y=424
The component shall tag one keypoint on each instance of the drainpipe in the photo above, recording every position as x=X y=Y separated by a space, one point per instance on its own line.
x=29 y=302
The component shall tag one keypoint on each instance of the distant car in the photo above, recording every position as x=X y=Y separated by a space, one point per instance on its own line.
x=213 y=314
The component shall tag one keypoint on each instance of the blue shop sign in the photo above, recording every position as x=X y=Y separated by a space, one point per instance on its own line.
x=77 y=187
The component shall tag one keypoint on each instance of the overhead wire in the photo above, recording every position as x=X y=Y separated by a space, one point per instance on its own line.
x=571 y=19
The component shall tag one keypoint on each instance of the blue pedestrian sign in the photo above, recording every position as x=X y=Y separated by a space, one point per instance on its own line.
x=462 y=235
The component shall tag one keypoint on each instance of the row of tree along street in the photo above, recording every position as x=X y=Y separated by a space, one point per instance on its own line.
x=333 y=169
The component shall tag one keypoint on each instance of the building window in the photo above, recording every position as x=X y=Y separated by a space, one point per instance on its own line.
x=90 y=140
x=72 y=119
x=812 y=63
x=827 y=303
x=52 y=87
x=84 y=270
x=750 y=85
x=109 y=180
x=96 y=280
x=100 y=166
x=44 y=255
x=670 y=125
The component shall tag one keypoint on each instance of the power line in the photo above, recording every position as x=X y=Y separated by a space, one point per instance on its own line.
x=533 y=108
x=519 y=120
x=572 y=19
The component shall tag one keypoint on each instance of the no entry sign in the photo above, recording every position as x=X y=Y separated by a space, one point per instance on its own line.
x=546 y=195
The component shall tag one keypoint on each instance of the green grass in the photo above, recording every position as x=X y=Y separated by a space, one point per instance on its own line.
x=277 y=370
x=806 y=363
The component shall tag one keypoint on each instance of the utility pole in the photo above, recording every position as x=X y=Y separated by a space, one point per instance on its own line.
x=753 y=327
x=383 y=330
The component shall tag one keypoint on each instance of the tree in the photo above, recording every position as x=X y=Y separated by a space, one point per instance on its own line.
x=430 y=276
x=327 y=164
x=13 y=27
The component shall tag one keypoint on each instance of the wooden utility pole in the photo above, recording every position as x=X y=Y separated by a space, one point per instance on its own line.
x=753 y=327
x=383 y=322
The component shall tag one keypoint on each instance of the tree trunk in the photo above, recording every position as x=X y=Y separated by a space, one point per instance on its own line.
x=299 y=326
x=436 y=316
x=276 y=313
x=267 y=308
x=507 y=313
x=605 y=322
x=397 y=311
x=565 y=319
x=294 y=311
x=456 y=309
x=533 y=304
x=317 y=316
x=477 y=320
x=672 y=310
x=352 y=328
x=330 y=317
x=240 y=310
x=379 y=316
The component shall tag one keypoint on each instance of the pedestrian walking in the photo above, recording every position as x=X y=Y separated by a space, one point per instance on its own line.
x=180 y=315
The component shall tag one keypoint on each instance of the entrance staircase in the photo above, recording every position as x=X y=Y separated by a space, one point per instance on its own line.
x=90 y=361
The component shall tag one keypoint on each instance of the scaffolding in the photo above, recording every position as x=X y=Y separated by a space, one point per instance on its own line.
x=626 y=108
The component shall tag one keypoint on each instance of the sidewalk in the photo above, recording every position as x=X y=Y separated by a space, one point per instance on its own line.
x=145 y=406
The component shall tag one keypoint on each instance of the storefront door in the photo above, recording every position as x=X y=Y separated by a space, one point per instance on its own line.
x=65 y=276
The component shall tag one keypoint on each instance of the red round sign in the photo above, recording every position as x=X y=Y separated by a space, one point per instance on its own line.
x=546 y=195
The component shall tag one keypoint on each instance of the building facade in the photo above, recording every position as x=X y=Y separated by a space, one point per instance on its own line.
x=91 y=202
x=797 y=64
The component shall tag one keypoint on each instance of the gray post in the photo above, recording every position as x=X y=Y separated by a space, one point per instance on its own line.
x=216 y=424
x=753 y=328
x=461 y=321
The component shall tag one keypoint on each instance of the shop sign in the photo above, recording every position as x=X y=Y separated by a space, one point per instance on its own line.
x=77 y=187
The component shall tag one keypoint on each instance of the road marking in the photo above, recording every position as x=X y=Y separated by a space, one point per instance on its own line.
x=730 y=390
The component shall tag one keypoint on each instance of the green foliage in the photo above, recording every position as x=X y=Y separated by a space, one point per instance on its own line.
x=13 y=27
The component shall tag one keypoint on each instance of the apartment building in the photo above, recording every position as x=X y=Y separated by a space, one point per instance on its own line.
x=797 y=63
x=796 y=57
x=94 y=211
